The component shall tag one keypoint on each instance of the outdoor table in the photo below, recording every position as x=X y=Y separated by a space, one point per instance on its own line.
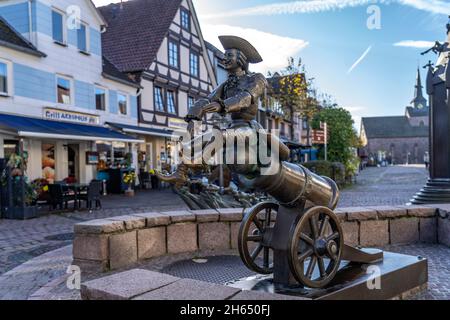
x=77 y=188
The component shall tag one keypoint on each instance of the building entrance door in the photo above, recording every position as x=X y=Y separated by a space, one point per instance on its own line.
x=73 y=161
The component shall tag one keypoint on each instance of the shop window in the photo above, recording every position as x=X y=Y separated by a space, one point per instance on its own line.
x=3 y=79
x=159 y=102
x=173 y=54
x=64 y=90
x=10 y=147
x=185 y=19
x=58 y=26
x=100 y=98
x=122 y=101
x=171 y=102
x=82 y=38
x=48 y=162
x=194 y=64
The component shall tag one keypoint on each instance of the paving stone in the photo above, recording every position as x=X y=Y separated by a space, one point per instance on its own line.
x=404 y=230
x=131 y=222
x=91 y=247
x=444 y=231
x=351 y=233
x=208 y=215
x=374 y=233
x=122 y=250
x=230 y=214
x=214 y=236
x=151 y=242
x=99 y=226
x=154 y=219
x=390 y=212
x=260 y=295
x=180 y=216
x=420 y=211
x=181 y=237
x=428 y=230
x=188 y=289
x=124 y=285
x=360 y=213
x=234 y=228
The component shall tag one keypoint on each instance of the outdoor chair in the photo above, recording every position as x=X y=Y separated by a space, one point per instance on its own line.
x=145 y=180
x=93 y=193
x=59 y=198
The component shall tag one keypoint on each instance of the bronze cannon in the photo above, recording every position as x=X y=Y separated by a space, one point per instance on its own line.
x=300 y=237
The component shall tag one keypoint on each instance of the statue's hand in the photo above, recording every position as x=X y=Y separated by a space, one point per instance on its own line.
x=212 y=107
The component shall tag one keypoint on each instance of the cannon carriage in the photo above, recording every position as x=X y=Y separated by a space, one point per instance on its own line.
x=299 y=238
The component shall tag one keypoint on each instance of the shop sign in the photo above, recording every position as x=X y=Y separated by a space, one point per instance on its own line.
x=177 y=123
x=70 y=116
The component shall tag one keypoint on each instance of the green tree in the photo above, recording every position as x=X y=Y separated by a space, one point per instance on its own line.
x=342 y=137
x=291 y=88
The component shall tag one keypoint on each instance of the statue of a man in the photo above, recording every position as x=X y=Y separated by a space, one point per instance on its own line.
x=237 y=96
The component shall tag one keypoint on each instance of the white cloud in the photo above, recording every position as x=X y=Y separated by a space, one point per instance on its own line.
x=414 y=44
x=360 y=59
x=274 y=49
x=312 y=6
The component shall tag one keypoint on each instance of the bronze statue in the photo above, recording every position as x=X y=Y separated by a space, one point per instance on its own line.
x=304 y=243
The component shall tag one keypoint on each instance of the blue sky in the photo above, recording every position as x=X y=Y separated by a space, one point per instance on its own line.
x=331 y=36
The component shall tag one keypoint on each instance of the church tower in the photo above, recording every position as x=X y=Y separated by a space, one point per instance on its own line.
x=419 y=102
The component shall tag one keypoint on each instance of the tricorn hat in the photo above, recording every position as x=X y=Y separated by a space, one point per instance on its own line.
x=233 y=42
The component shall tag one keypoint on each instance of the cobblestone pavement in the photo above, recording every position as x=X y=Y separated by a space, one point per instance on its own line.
x=394 y=185
x=22 y=240
x=29 y=277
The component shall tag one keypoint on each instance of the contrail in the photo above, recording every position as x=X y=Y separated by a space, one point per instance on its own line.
x=357 y=62
x=312 y=6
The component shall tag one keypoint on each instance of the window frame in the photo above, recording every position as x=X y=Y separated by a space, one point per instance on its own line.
x=9 y=78
x=71 y=92
x=188 y=14
x=175 y=107
x=177 y=57
x=155 y=88
x=191 y=55
x=86 y=37
x=106 y=97
x=127 y=102
x=189 y=99
x=63 y=30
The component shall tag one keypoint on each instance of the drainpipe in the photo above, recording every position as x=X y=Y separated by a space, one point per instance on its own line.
x=30 y=22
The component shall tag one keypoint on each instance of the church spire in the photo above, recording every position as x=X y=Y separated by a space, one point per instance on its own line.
x=419 y=101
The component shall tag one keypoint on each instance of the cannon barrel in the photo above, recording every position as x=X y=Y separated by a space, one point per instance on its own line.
x=294 y=182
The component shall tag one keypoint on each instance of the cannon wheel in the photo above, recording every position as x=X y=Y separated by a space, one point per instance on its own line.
x=254 y=227
x=316 y=242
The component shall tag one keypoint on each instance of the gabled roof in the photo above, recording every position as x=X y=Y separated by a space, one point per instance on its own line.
x=392 y=127
x=12 y=39
x=111 y=72
x=135 y=31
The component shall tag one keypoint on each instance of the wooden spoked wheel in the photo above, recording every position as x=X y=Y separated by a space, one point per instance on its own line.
x=254 y=237
x=315 y=247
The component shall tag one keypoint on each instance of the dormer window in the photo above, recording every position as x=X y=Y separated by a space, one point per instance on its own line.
x=185 y=19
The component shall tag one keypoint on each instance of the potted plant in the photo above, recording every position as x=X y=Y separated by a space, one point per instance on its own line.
x=21 y=194
x=129 y=179
x=153 y=179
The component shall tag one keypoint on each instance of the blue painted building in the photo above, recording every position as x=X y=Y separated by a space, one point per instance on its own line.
x=52 y=68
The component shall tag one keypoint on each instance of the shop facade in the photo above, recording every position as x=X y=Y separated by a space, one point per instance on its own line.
x=57 y=93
